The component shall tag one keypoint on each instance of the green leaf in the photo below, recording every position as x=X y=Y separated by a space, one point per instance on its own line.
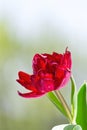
x=77 y=127
x=72 y=127
x=73 y=99
x=82 y=107
x=69 y=127
x=56 y=102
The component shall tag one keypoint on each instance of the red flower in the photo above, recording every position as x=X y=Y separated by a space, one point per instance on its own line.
x=50 y=72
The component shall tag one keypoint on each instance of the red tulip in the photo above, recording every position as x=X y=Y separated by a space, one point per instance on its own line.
x=50 y=72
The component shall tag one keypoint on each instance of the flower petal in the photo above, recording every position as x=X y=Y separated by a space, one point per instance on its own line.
x=30 y=94
x=23 y=75
x=67 y=59
x=57 y=57
x=38 y=63
x=62 y=76
x=25 y=81
x=43 y=82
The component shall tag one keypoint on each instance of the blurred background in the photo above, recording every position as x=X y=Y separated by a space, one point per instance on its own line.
x=33 y=26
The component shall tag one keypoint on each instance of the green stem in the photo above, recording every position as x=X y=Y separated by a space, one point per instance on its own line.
x=62 y=100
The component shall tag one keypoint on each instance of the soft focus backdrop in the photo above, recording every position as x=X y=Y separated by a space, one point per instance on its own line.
x=34 y=26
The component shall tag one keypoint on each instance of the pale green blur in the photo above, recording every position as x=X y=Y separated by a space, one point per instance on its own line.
x=17 y=113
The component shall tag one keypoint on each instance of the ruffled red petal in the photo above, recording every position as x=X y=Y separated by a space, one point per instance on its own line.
x=38 y=63
x=25 y=81
x=30 y=94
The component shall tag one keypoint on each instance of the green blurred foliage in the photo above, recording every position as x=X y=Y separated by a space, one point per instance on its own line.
x=17 y=113
x=8 y=44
